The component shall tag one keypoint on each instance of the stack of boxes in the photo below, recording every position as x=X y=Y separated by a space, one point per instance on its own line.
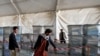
x=26 y=44
x=85 y=37
x=92 y=39
x=1 y=40
x=75 y=40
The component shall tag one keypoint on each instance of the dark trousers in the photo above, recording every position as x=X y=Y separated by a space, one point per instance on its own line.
x=62 y=41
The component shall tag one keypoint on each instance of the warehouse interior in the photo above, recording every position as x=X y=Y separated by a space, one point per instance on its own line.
x=79 y=19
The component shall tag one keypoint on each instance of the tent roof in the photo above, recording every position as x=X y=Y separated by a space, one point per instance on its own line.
x=29 y=6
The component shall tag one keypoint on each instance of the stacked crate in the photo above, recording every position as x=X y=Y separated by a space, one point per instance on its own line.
x=1 y=40
x=88 y=40
x=26 y=44
x=26 y=41
x=91 y=33
x=75 y=40
x=6 y=32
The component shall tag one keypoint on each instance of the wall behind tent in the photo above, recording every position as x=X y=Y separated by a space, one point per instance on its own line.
x=75 y=17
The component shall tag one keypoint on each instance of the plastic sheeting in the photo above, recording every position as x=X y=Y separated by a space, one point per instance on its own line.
x=8 y=21
x=61 y=18
x=28 y=20
x=75 y=17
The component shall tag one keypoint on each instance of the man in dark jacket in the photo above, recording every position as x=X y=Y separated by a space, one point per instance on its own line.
x=13 y=46
x=62 y=36
x=47 y=37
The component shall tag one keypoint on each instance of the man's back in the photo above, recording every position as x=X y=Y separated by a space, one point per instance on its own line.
x=12 y=42
x=61 y=35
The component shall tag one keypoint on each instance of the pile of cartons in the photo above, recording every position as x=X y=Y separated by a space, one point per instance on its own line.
x=83 y=40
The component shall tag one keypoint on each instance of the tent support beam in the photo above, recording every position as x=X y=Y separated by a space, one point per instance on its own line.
x=19 y=14
x=12 y=2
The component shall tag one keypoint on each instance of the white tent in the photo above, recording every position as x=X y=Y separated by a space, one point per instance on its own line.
x=59 y=13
